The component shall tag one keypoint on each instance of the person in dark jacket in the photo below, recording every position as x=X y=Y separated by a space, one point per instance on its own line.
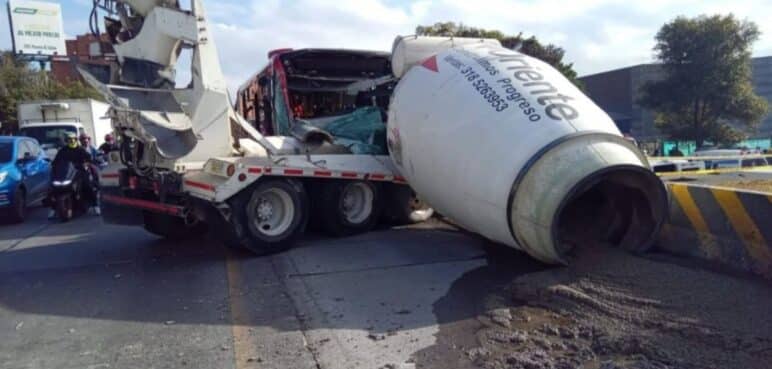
x=109 y=144
x=74 y=153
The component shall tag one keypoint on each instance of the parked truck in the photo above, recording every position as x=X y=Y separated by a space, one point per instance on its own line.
x=498 y=141
x=49 y=120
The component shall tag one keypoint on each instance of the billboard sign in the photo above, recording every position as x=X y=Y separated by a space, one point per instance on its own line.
x=36 y=28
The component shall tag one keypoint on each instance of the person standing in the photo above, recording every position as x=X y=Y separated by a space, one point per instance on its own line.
x=85 y=143
x=109 y=144
x=97 y=160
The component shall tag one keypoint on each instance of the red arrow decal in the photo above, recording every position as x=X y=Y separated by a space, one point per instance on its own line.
x=431 y=64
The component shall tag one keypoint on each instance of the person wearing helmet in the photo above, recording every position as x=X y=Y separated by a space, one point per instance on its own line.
x=74 y=153
x=109 y=144
x=85 y=142
x=97 y=156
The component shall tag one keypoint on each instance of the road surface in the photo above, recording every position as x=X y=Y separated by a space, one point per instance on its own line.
x=87 y=295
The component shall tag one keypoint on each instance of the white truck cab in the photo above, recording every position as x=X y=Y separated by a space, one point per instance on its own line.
x=49 y=120
x=50 y=134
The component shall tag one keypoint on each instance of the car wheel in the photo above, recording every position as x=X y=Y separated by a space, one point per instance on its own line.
x=19 y=209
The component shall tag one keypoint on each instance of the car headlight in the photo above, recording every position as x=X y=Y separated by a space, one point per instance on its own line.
x=62 y=183
x=3 y=176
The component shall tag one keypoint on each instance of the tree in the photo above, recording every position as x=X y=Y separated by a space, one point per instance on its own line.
x=706 y=91
x=19 y=83
x=530 y=46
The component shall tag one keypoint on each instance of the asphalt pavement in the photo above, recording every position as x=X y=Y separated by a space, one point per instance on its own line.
x=88 y=295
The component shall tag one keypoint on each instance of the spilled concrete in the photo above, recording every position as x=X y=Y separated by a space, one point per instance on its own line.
x=608 y=310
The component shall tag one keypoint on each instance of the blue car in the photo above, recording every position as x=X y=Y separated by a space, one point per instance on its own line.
x=25 y=172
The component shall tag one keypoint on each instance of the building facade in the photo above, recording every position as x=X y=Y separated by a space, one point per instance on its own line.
x=94 y=55
x=618 y=92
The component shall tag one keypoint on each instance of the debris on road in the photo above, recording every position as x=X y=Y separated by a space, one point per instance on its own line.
x=399 y=366
x=376 y=336
x=613 y=310
x=170 y=322
x=502 y=317
x=19 y=325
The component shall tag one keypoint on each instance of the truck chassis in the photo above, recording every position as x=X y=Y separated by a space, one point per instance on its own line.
x=263 y=204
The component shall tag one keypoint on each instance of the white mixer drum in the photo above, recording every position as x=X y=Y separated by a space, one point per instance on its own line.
x=506 y=146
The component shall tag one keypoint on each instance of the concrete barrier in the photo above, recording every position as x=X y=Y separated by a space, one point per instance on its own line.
x=728 y=226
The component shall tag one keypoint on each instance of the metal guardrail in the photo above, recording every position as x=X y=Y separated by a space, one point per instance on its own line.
x=747 y=162
x=716 y=171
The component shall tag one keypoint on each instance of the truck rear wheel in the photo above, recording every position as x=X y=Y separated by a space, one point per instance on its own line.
x=271 y=217
x=404 y=207
x=348 y=207
x=172 y=228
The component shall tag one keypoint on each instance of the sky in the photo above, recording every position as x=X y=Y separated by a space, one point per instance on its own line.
x=598 y=35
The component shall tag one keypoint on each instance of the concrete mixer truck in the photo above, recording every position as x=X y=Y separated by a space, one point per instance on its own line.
x=498 y=141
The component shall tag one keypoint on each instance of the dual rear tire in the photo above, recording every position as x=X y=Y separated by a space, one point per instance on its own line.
x=346 y=208
x=269 y=217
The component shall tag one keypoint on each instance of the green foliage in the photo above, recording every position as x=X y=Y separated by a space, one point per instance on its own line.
x=530 y=46
x=19 y=83
x=706 y=92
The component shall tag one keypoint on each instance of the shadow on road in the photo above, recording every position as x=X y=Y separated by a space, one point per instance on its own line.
x=116 y=279
x=87 y=270
x=473 y=294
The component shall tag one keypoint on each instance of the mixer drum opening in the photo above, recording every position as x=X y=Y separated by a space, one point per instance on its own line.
x=619 y=206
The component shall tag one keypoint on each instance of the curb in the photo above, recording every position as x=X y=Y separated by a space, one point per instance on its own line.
x=727 y=226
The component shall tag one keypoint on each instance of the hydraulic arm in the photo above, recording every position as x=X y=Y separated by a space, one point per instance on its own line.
x=167 y=124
